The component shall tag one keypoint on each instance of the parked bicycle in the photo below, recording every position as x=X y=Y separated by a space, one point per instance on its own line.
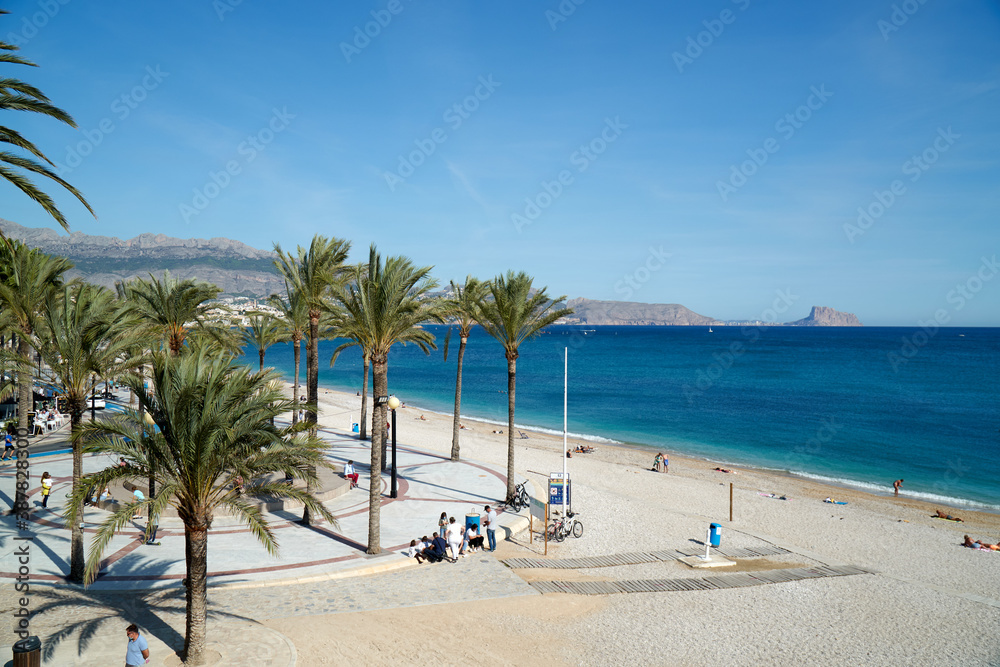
x=519 y=500
x=564 y=527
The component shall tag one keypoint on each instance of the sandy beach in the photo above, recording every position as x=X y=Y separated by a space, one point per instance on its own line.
x=929 y=600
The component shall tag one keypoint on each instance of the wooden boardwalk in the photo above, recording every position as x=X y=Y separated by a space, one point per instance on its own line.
x=637 y=558
x=713 y=582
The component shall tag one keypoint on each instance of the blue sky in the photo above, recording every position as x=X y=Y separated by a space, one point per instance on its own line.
x=713 y=154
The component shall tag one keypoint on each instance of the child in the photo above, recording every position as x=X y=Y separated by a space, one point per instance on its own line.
x=414 y=552
x=46 y=488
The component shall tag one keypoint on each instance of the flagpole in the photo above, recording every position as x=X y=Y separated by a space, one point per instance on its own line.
x=565 y=434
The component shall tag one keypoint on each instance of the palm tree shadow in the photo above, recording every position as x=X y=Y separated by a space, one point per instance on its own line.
x=152 y=610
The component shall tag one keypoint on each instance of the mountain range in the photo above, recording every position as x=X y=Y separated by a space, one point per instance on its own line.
x=241 y=270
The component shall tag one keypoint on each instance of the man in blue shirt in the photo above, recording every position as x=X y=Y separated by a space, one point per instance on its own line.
x=137 y=653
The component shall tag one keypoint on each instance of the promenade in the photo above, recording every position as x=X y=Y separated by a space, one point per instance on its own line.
x=319 y=569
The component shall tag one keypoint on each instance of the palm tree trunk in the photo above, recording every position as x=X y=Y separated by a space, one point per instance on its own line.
x=297 y=347
x=511 y=377
x=312 y=383
x=364 y=401
x=77 y=561
x=456 y=426
x=196 y=554
x=261 y=353
x=24 y=385
x=380 y=380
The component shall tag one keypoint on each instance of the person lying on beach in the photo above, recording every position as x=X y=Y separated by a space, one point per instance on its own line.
x=422 y=418
x=942 y=515
x=976 y=544
x=580 y=449
x=724 y=470
x=834 y=502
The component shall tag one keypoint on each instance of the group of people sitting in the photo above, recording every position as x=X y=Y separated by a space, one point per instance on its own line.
x=580 y=449
x=50 y=419
x=979 y=544
x=455 y=541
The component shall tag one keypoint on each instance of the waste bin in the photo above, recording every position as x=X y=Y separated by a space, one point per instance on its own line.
x=715 y=534
x=472 y=520
x=28 y=652
x=355 y=428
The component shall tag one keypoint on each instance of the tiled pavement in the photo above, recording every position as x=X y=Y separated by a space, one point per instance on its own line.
x=319 y=570
x=85 y=627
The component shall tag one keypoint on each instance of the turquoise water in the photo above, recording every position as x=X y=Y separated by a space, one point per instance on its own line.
x=858 y=406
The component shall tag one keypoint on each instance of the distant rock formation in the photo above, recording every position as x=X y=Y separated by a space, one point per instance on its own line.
x=235 y=267
x=587 y=311
x=822 y=316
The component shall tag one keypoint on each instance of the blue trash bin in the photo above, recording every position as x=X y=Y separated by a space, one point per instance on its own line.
x=472 y=520
x=355 y=428
x=715 y=535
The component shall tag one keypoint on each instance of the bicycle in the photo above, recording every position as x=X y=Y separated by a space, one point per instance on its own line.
x=519 y=500
x=563 y=528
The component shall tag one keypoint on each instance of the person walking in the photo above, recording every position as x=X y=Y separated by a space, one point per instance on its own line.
x=490 y=521
x=137 y=651
x=46 y=488
x=8 y=447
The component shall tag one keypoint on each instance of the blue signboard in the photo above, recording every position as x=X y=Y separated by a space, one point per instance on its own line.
x=558 y=486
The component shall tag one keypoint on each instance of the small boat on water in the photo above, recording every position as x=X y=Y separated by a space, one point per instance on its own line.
x=710 y=330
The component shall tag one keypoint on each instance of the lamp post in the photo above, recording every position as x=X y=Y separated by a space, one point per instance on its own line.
x=393 y=403
x=149 y=424
x=34 y=402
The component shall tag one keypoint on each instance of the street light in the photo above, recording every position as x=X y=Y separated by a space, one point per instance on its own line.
x=393 y=403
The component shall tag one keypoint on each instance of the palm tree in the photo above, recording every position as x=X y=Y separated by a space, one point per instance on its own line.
x=27 y=279
x=263 y=332
x=386 y=303
x=16 y=95
x=214 y=424
x=77 y=339
x=462 y=306
x=168 y=310
x=295 y=318
x=512 y=314
x=312 y=272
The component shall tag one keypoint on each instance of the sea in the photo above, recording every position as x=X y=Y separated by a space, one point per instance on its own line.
x=856 y=407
